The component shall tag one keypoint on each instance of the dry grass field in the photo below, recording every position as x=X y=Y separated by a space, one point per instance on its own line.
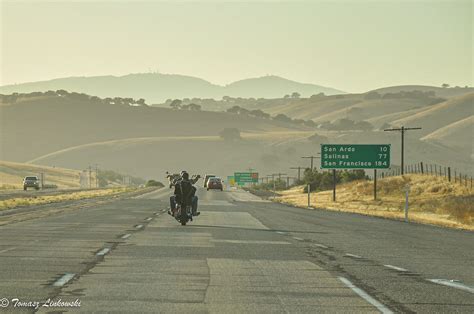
x=48 y=199
x=432 y=200
x=12 y=174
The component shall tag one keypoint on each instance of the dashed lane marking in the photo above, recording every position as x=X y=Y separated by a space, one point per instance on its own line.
x=103 y=251
x=148 y=219
x=63 y=280
x=453 y=284
x=6 y=250
x=281 y=232
x=139 y=226
x=250 y=242
x=320 y=245
x=299 y=239
x=382 y=308
x=126 y=236
x=396 y=268
x=352 y=255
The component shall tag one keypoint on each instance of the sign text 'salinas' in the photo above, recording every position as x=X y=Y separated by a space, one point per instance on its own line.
x=355 y=156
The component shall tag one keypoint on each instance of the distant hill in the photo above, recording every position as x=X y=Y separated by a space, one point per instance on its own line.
x=274 y=87
x=156 y=87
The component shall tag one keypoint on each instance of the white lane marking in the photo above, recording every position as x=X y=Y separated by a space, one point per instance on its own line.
x=63 y=280
x=454 y=284
x=352 y=255
x=299 y=239
x=103 y=252
x=382 y=308
x=395 y=267
x=139 y=226
x=126 y=236
x=9 y=249
x=157 y=214
x=320 y=245
x=148 y=219
x=280 y=232
x=250 y=242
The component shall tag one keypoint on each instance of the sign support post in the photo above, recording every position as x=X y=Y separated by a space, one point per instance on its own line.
x=309 y=195
x=375 y=184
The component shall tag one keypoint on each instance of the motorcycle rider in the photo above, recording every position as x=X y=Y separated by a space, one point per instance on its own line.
x=185 y=191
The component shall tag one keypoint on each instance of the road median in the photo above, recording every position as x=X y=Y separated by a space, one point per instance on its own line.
x=35 y=200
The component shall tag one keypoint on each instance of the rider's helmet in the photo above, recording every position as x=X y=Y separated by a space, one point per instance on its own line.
x=185 y=175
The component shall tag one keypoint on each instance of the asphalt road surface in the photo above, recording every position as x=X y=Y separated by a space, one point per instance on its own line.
x=242 y=255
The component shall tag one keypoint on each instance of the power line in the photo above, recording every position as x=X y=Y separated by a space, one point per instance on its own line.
x=299 y=171
x=402 y=130
x=311 y=157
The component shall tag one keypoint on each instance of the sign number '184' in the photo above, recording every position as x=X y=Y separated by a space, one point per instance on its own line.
x=355 y=156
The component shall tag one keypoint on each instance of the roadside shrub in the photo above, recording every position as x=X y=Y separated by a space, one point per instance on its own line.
x=154 y=183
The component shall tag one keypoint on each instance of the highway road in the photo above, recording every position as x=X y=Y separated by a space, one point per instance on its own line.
x=242 y=255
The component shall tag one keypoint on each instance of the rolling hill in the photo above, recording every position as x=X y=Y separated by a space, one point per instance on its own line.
x=75 y=130
x=156 y=87
x=45 y=124
x=440 y=115
x=458 y=135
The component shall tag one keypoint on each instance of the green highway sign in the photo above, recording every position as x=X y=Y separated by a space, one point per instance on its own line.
x=355 y=156
x=246 y=177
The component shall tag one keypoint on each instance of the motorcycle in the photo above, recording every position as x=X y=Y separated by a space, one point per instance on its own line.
x=183 y=215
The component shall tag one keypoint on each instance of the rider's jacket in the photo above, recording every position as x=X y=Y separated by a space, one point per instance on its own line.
x=184 y=191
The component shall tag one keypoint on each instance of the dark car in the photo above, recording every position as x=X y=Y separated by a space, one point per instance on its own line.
x=31 y=182
x=214 y=183
x=207 y=177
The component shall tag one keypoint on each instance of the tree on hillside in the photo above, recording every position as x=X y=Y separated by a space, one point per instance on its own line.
x=310 y=123
x=318 y=139
x=234 y=109
x=194 y=107
x=286 y=96
x=259 y=114
x=283 y=118
x=372 y=95
x=50 y=93
x=295 y=95
x=230 y=134
x=176 y=104
x=318 y=96
x=445 y=85
x=141 y=102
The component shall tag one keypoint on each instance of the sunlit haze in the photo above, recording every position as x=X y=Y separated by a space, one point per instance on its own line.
x=354 y=46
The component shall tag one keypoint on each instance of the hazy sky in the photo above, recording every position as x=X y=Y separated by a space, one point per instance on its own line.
x=351 y=45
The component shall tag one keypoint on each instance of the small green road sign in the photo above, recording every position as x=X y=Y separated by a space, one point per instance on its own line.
x=355 y=156
x=246 y=177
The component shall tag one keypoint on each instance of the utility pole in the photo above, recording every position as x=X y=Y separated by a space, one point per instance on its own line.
x=279 y=179
x=96 y=176
x=311 y=157
x=402 y=130
x=90 y=177
x=299 y=171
